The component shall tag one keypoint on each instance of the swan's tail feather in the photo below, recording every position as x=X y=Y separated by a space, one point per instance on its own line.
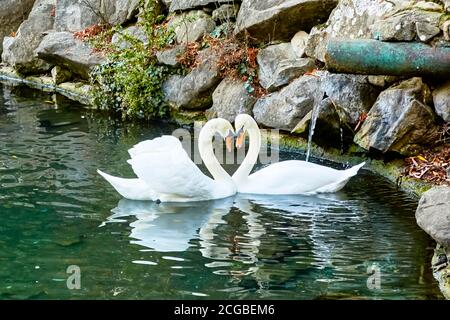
x=111 y=179
x=347 y=174
x=354 y=170
x=132 y=189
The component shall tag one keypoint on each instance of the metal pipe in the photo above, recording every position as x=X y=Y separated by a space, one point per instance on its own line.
x=374 y=57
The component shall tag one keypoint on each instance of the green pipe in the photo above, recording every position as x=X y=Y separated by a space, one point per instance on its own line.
x=374 y=57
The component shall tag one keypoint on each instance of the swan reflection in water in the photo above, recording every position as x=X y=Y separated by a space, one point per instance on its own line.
x=167 y=227
x=172 y=227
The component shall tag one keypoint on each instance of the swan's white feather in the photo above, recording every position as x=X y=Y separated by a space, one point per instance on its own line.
x=172 y=175
x=297 y=177
x=160 y=144
x=130 y=188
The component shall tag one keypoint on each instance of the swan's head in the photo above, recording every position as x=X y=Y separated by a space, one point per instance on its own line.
x=223 y=127
x=242 y=123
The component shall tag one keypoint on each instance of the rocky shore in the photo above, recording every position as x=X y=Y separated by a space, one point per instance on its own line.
x=375 y=74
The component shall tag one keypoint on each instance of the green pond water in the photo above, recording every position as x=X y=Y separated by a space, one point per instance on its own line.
x=56 y=212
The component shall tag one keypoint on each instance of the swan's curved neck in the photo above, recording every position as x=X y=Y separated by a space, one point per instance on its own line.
x=206 y=151
x=252 y=155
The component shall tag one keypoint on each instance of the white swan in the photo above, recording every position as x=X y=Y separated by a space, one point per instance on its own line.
x=166 y=172
x=287 y=177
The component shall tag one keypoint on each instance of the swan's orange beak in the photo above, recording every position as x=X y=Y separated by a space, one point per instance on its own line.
x=240 y=138
x=229 y=142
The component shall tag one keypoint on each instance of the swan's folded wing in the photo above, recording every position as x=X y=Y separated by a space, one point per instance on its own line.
x=172 y=172
x=160 y=144
x=297 y=177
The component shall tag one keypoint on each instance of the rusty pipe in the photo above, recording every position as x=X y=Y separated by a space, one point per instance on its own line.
x=372 y=57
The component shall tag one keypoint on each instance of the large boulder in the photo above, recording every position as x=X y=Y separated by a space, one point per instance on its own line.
x=433 y=214
x=75 y=15
x=280 y=19
x=279 y=65
x=400 y=120
x=191 y=26
x=407 y=25
x=178 y=5
x=230 y=99
x=61 y=48
x=284 y=109
x=351 y=95
x=351 y=19
x=441 y=99
x=19 y=52
x=12 y=13
x=194 y=91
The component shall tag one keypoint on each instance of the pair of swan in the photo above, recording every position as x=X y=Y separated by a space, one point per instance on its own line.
x=166 y=173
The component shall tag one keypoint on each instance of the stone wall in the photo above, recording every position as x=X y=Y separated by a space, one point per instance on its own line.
x=382 y=113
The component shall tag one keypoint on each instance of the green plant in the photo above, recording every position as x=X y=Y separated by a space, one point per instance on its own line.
x=130 y=82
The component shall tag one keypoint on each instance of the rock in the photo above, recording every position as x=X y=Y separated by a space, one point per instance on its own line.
x=298 y=43
x=194 y=91
x=445 y=27
x=226 y=12
x=121 y=11
x=429 y=6
x=191 y=26
x=446 y=5
x=7 y=54
x=426 y=31
x=351 y=19
x=76 y=15
x=19 y=51
x=284 y=109
x=327 y=120
x=167 y=3
x=351 y=95
x=279 y=65
x=399 y=27
x=177 y=5
x=441 y=99
x=12 y=13
x=78 y=91
x=230 y=99
x=280 y=19
x=316 y=44
x=62 y=49
x=135 y=32
x=60 y=75
x=170 y=56
x=382 y=81
x=400 y=121
x=433 y=214
x=406 y=25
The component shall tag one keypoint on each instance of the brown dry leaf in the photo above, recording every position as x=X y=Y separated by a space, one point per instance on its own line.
x=434 y=170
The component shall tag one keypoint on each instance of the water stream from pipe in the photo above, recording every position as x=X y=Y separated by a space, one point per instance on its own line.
x=312 y=126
